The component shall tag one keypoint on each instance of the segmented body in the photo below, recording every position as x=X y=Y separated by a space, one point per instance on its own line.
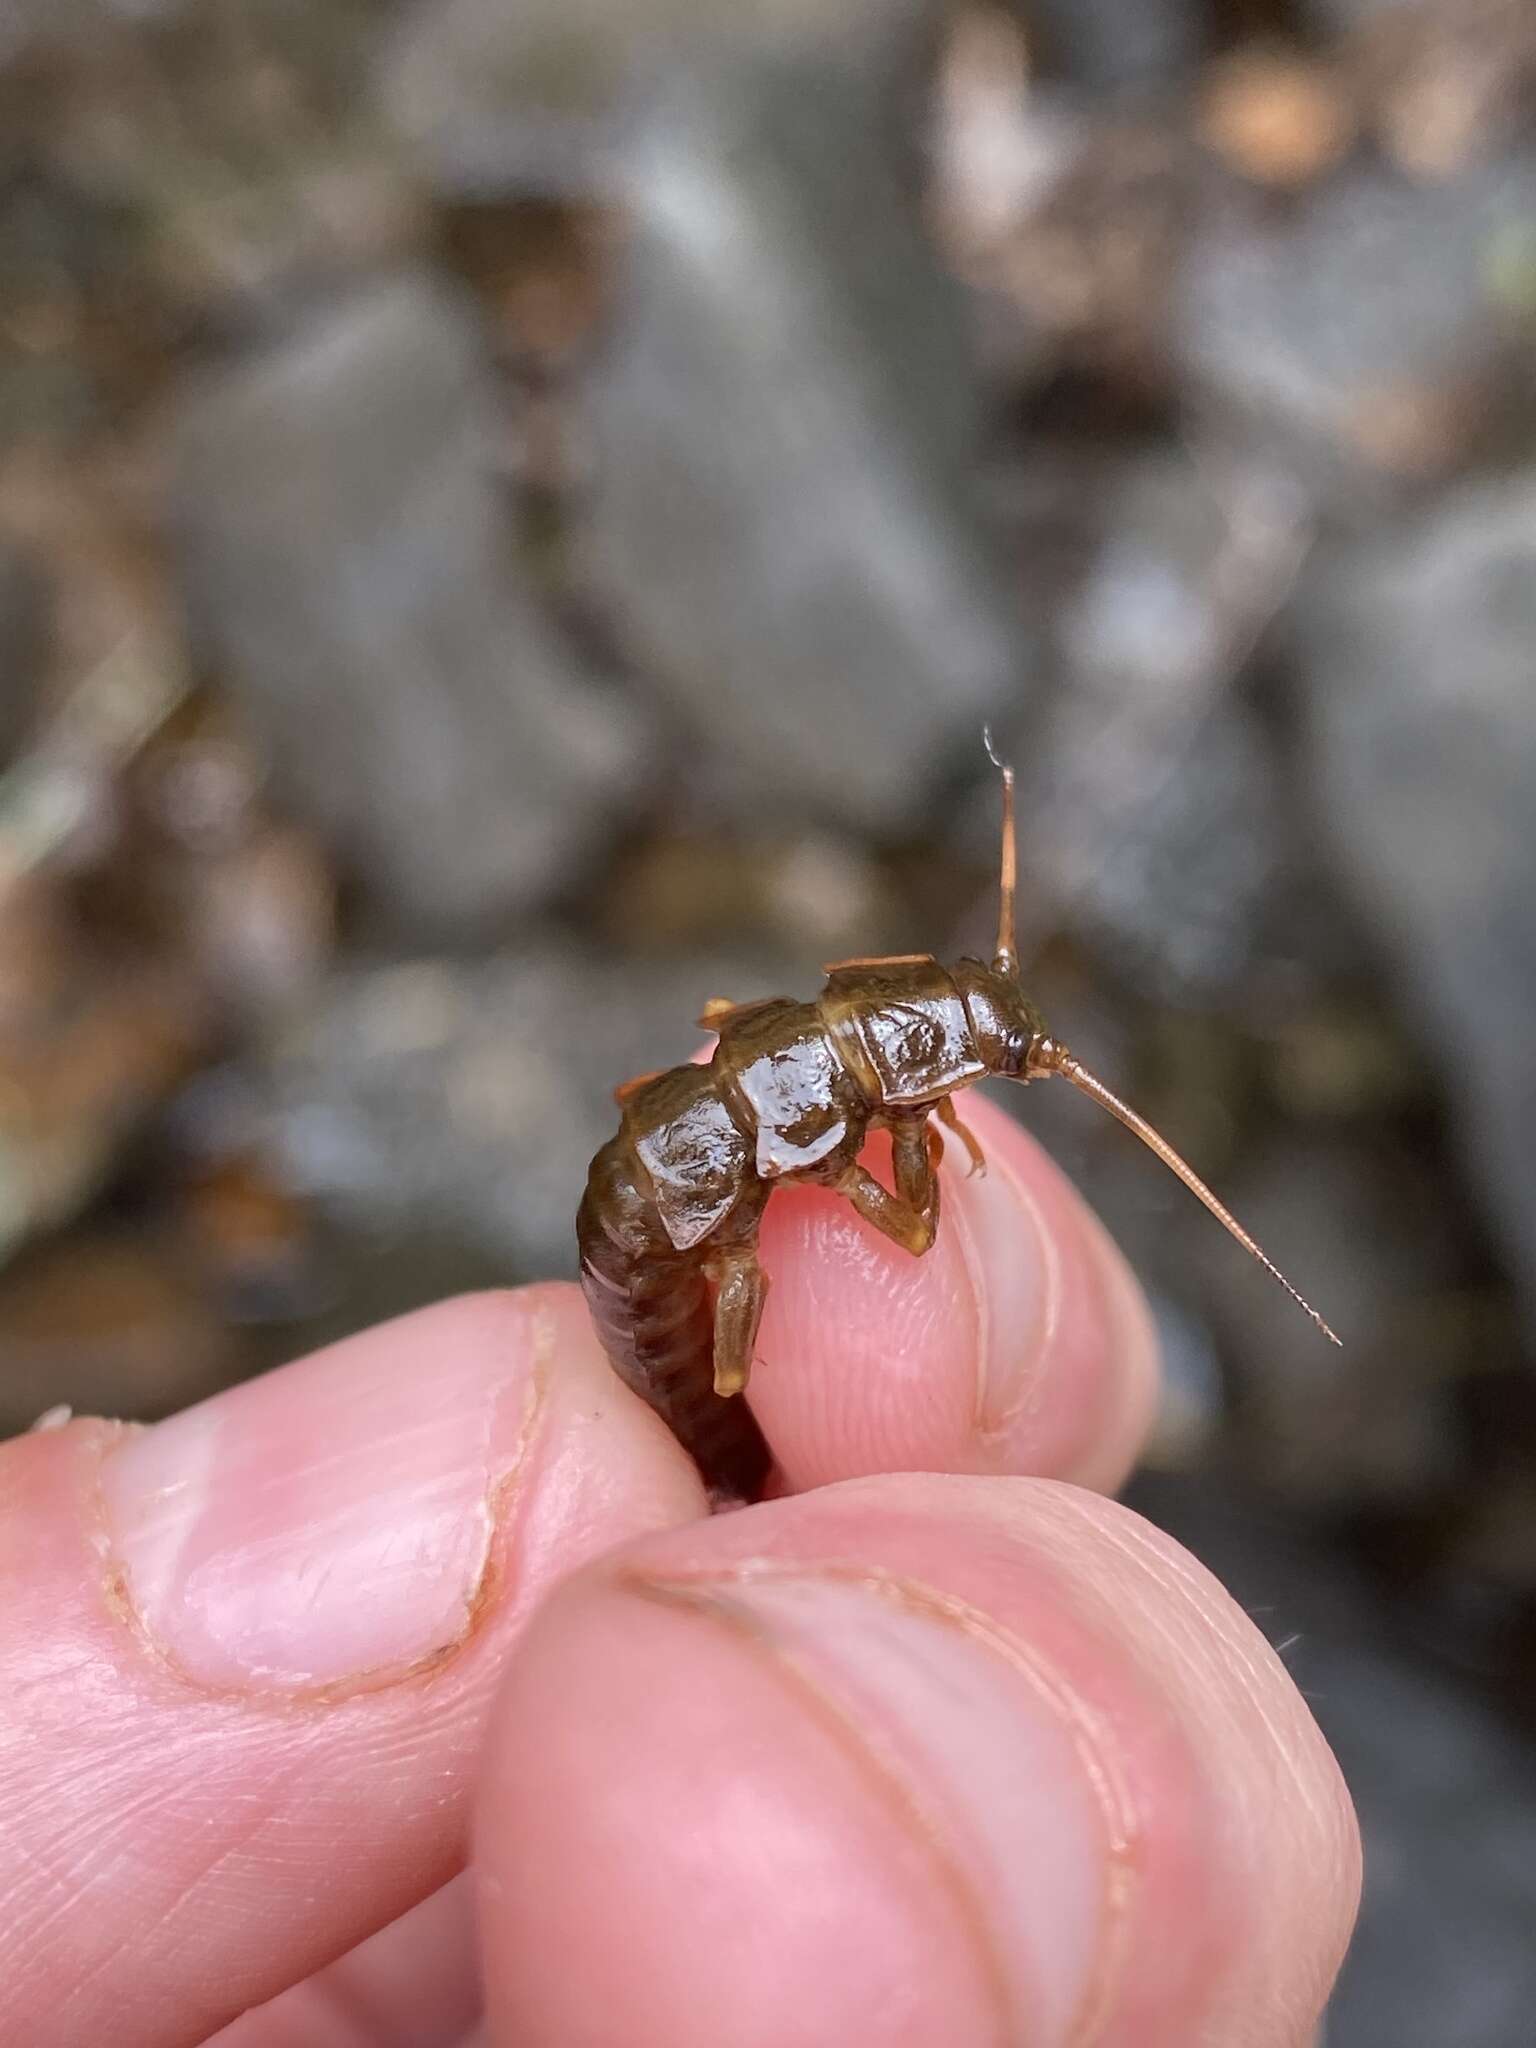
x=667 y=1228
x=673 y=1202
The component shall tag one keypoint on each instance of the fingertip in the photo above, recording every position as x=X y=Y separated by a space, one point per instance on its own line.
x=670 y=1851
x=249 y=1653
x=1020 y=1343
x=907 y=1760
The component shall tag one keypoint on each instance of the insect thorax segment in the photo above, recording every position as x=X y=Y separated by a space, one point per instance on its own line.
x=903 y=1030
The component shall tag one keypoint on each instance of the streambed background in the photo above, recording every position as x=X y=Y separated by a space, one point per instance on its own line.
x=511 y=522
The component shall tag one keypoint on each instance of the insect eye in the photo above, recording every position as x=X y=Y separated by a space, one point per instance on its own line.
x=1016 y=1050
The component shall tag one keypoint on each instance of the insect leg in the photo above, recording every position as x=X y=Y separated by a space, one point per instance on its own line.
x=947 y=1114
x=910 y=1217
x=916 y=1149
x=741 y=1288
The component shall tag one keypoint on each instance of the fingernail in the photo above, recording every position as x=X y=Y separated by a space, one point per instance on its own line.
x=329 y=1524
x=1014 y=1266
x=995 y=1772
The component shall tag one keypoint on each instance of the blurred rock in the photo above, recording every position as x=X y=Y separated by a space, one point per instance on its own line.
x=1118 y=46
x=246 y=902
x=1088 y=268
x=1329 y=18
x=252 y=1243
x=350 y=571
x=39 y=954
x=116 y=676
x=258 y=922
x=1360 y=333
x=781 y=517
x=242 y=252
x=1446 y=82
x=1191 y=1399
x=1360 y=1229
x=1150 y=808
x=196 y=173
x=1416 y=656
x=1276 y=116
x=78 y=1079
x=81 y=329
x=23 y=614
x=1445 y=1789
x=61 y=799
x=27 y=26
x=820 y=893
x=465 y=1098
x=110 y=1323
x=543 y=268
x=999 y=144
x=531 y=98
x=92 y=518
x=813 y=894
x=1336 y=1059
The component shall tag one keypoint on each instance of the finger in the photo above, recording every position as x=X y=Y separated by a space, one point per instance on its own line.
x=1019 y=1343
x=908 y=1760
x=245 y=1656
x=414 y=1984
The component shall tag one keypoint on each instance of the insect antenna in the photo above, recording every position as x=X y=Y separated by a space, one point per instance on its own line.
x=1006 y=958
x=1058 y=1060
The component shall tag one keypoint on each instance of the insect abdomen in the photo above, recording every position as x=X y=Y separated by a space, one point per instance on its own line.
x=651 y=1305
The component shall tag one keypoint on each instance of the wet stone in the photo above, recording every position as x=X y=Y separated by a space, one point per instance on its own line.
x=1278 y=118
x=1359 y=1226
x=30 y=26
x=1075 y=251
x=1446 y=83
x=1360 y=334
x=108 y=1323
x=1120 y=46
x=1445 y=1788
x=1345 y=17
x=79 y=1080
x=532 y=98
x=350 y=572
x=1150 y=807
x=23 y=609
x=781 y=520
x=1416 y=657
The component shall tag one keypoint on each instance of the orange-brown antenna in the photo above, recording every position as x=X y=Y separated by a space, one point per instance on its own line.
x=1006 y=958
x=1056 y=1059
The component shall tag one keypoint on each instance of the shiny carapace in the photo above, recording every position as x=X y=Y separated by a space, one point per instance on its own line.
x=668 y=1226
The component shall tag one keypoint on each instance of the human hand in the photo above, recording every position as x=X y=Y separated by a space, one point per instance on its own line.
x=976 y=1758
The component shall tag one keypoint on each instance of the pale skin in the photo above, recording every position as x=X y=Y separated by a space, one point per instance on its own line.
x=969 y=1755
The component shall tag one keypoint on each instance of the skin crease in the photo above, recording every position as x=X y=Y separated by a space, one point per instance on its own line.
x=696 y=1816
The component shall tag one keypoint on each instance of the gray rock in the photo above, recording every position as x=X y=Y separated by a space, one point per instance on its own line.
x=1344 y=17
x=532 y=97
x=781 y=517
x=30 y=25
x=1361 y=1231
x=1191 y=1399
x=1152 y=824
x=1445 y=1788
x=23 y=609
x=1360 y=332
x=442 y=1096
x=1417 y=655
x=349 y=570
x=109 y=1321
x=1119 y=46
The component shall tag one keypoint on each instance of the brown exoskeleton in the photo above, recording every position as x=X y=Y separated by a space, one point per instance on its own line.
x=667 y=1228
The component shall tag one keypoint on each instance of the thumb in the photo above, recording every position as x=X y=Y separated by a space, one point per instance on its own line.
x=908 y=1760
